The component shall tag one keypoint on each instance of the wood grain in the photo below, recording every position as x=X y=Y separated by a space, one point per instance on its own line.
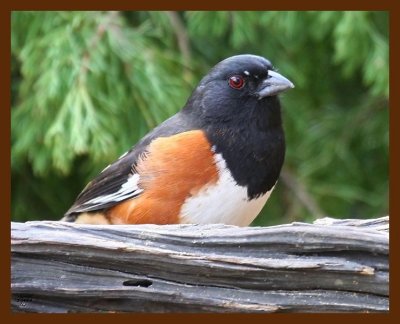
x=329 y=266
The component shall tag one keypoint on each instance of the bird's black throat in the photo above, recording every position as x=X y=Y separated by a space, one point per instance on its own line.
x=252 y=144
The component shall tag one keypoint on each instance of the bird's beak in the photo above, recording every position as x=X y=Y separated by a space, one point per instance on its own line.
x=274 y=84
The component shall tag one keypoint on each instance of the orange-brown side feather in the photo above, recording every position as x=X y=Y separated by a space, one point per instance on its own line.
x=173 y=169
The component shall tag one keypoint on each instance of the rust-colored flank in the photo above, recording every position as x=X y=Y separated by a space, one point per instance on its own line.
x=173 y=169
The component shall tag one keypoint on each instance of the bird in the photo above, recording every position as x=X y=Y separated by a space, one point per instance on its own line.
x=216 y=160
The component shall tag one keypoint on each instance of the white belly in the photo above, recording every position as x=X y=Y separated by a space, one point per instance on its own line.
x=223 y=202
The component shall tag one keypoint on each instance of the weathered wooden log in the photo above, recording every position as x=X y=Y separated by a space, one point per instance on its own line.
x=328 y=266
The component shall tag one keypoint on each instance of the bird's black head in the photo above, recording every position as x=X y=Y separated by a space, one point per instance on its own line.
x=239 y=86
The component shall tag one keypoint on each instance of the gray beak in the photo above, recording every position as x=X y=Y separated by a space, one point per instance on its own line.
x=274 y=84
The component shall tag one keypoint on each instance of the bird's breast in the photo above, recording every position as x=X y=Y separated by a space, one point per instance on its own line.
x=222 y=202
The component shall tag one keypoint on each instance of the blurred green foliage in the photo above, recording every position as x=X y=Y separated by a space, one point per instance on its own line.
x=87 y=85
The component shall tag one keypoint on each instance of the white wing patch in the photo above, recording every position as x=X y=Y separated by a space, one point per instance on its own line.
x=129 y=189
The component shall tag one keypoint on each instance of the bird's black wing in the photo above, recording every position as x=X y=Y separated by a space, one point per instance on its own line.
x=117 y=182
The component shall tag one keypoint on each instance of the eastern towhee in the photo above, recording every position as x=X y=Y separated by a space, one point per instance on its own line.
x=215 y=161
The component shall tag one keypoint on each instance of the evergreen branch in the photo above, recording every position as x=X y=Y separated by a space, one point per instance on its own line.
x=301 y=193
x=183 y=41
x=101 y=29
x=362 y=116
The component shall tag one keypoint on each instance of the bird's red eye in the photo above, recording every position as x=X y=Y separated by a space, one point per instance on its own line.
x=236 y=82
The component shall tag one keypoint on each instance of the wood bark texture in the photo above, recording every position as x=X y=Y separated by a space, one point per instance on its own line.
x=329 y=266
